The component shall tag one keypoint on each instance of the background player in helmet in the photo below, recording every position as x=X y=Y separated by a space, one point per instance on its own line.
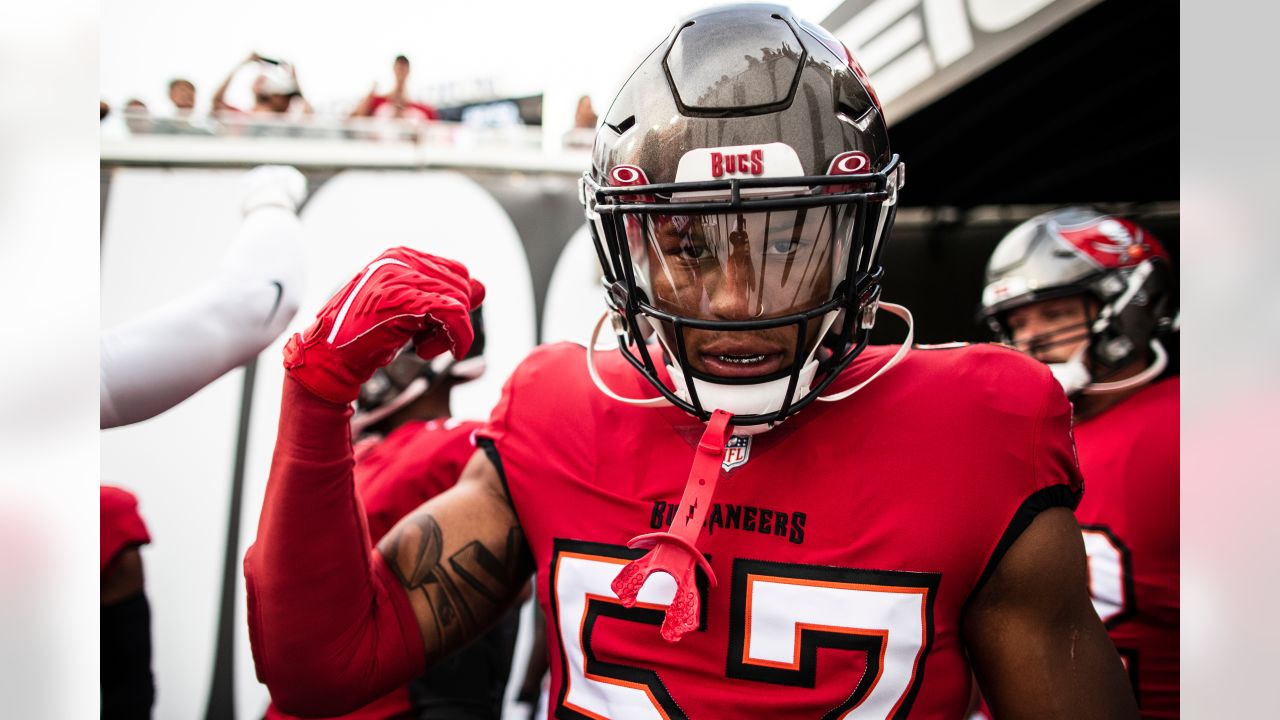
x=408 y=449
x=806 y=573
x=1089 y=294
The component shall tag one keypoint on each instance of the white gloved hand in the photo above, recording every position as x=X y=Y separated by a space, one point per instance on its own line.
x=272 y=186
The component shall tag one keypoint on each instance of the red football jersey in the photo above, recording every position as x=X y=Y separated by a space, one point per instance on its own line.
x=845 y=541
x=1129 y=514
x=412 y=464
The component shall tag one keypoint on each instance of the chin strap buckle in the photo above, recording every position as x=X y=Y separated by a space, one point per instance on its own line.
x=868 y=315
x=675 y=552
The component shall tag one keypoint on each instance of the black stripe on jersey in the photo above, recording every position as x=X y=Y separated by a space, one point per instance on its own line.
x=810 y=640
x=491 y=451
x=1040 y=500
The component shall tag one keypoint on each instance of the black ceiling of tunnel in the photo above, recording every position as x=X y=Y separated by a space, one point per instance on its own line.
x=1089 y=113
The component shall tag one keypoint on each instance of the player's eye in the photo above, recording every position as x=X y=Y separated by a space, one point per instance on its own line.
x=693 y=249
x=783 y=246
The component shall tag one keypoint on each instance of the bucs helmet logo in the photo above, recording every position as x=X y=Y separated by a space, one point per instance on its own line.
x=1117 y=240
x=1113 y=242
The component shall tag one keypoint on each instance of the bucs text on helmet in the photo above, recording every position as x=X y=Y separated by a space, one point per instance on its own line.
x=1077 y=251
x=740 y=193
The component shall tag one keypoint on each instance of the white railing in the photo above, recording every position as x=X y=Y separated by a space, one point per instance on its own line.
x=240 y=140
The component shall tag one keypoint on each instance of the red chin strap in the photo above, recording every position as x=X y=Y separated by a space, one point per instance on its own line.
x=675 y=552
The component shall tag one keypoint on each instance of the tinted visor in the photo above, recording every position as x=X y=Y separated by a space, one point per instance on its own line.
x=741 y=265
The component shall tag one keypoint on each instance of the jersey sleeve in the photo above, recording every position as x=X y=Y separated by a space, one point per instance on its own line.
x=1052 y=470
x=534 y=402
x=1053 y=450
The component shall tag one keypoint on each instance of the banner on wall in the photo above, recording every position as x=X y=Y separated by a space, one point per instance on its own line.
x=917 y=51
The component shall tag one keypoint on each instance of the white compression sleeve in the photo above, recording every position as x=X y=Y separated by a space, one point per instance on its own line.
x=154 y=362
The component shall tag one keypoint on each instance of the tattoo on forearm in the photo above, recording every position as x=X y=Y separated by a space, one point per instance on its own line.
x=459 y=592
x=484 y=571
x=415 y=551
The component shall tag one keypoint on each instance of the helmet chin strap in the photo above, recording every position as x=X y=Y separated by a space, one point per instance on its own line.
x=1158 y=364
x=599 y=381
x=1074 y=376
x=903 y=313
x=750 y=399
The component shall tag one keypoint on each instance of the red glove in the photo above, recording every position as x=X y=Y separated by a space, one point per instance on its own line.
x=402 y=295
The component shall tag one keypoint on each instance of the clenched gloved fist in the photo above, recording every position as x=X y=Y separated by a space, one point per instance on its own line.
x=403 y=295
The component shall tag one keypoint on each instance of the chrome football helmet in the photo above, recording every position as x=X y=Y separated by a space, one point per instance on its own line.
x=740 y=195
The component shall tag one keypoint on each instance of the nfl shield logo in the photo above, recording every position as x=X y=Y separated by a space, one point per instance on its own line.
x=736 y=452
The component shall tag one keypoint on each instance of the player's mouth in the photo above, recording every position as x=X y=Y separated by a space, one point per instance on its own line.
x=739 y=360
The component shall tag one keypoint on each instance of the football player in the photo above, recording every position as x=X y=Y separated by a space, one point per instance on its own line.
x=1089 y=294
x=407 y=449
x=746 y=512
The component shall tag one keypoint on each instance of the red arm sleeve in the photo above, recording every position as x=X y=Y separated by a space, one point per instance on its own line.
x=330 y=626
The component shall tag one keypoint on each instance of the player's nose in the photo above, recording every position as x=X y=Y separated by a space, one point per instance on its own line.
x=733 y=296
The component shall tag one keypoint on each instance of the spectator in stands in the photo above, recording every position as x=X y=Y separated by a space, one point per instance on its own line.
x=103 y=109
x=395 y=104
x=137 y=117
x=275 y=89
x=583 y=133
x=182 y=93
x=585 y=116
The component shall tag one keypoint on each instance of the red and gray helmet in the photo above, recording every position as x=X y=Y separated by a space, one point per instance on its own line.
x=1077 y=251
x=744 y=120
